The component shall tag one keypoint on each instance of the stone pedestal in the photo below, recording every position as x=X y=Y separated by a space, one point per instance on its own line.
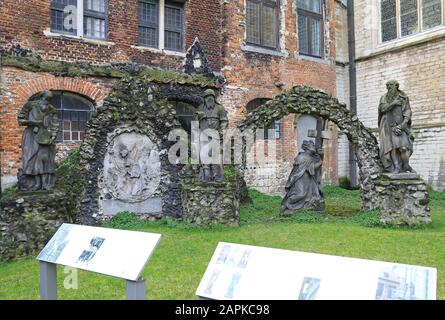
x=404 y=199
x=29 y=219
x=210 y=203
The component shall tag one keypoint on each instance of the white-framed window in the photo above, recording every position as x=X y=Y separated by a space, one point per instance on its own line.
x=263 y=23
x=161 y=24
x=401 y=18
x=310 y=28
x=82 y=18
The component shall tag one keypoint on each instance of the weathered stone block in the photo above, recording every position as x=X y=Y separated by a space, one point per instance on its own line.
x=403 y=201
x=210 y=203
x=29 y=220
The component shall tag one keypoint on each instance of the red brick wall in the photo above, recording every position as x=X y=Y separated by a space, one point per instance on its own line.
x=24 y=22
x=253 y=75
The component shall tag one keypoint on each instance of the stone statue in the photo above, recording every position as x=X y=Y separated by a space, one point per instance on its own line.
x=303 y=188
x=38 y=144
x=396 y=139
x=211 y=115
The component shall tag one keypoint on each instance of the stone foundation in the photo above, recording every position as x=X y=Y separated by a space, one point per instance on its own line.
x=404 y=199
x=29 y=220
x=210 y=203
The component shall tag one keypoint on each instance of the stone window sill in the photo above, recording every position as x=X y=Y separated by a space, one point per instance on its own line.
x=397 y=44
x=312 y=59
x=48 y=33
x=255 y=49
x=155 y=50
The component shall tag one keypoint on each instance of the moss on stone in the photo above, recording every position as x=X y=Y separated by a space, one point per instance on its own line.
x=83 y=69
x=52 y=67
x=73 y=71
x=114 y=73
x=21 y=63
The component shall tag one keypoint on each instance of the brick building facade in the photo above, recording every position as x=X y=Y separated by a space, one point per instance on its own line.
x=254 y=71
x=28 y=24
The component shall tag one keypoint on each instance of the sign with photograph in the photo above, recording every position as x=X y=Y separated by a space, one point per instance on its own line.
x=118 y=253
x=242 y=272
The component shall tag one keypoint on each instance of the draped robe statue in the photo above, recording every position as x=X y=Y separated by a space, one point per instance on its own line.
x=396 y=139
x=211 y=115
x=38 y=144
x=303 y=188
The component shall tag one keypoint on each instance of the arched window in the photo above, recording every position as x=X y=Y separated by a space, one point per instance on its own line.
x=74 y=111
x=276 y=126
x=185 y=113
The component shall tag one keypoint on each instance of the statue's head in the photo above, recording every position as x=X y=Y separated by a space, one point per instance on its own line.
x=392 y=85
x=47 y=95
x=123 y=151
x=45 y=98
x=308 y=145
x=210 y=97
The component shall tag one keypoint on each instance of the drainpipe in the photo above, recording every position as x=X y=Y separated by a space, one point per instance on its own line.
x=1 y=70
x=352 y=88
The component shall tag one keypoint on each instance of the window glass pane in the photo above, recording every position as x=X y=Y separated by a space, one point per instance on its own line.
x=74 y=117
x=173 y=21
x=269 y=27
x=61 y=21
x=431 y=13
x=94 y=28
x=173 y=40
x=74 y=112
x=75 y=136
x=185 y=114
x=389 y=23
x=66 y=125
x=65 y=2
x=95 y=5
x=56 y=100
x=75 y=126
x=73 y=101
x=310 y=5
x=408 y=16
x=303 y=34
x=173 y=17
x=277 y=129
x=253 y=22
x=148 y=36
x=148 y=12
x=316 y=37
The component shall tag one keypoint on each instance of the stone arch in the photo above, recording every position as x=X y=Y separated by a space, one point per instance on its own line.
x=93 y=91
x=306 y=100
x=145 y=109
x=20 y=94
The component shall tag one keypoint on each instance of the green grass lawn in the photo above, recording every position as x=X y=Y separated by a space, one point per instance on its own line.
x=180 y=260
